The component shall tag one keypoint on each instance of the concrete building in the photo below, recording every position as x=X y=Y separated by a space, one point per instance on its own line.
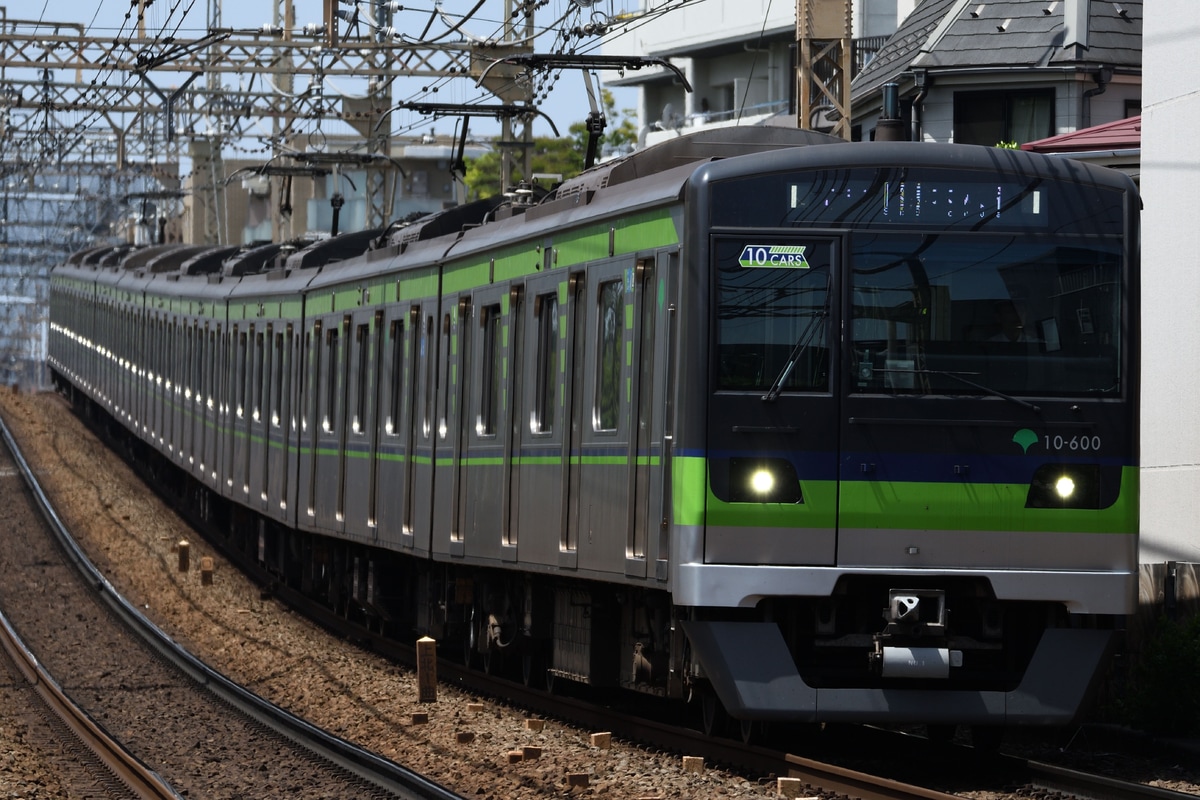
x=1170 y=287
x=739 y=57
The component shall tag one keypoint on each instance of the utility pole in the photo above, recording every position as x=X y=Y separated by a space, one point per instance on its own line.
x=511 y=85
x=208 y=164
x=823 y=69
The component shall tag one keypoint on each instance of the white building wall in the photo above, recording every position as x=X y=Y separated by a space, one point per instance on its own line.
x=698 y=23
x=1170 y=335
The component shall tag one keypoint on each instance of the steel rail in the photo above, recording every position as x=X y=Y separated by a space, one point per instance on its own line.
x=364 y=764
x=141 y=780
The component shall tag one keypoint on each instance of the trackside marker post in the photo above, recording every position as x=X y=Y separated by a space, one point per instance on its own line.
x=426 y=670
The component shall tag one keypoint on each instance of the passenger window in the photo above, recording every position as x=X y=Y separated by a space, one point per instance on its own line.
x=608 y=361
x=489 y=406
x=332 y=345
x=362 y=338
x=395 y=401
x=546 y=309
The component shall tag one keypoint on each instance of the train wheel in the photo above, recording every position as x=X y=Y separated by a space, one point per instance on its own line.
x=469 y=640
x=493 y=661
x=714 y=720
x=751 y=731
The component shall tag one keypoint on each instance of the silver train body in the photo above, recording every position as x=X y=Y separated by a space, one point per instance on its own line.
x=669 y=428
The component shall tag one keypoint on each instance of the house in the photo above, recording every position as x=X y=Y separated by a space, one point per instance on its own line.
x=739 y=58
x=1117 y=145
x=992 y=71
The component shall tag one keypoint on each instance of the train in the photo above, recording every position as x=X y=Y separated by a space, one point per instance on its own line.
x=790 y=429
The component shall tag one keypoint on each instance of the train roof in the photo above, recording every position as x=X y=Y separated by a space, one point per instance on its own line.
x=707 y=145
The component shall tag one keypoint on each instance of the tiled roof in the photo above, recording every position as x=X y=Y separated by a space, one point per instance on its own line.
x=966 y=35
x=1124 y=134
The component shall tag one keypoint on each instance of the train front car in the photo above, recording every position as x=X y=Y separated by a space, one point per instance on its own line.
x=910 y=491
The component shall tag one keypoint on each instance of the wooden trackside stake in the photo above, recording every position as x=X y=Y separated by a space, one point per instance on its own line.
x=465 y=737
x=474 y=708
x=426 y=670
x=693 y=764
x=534 y=725
x=577 y=779
x=602 y=741
x=789 y=787
x=530 y=752
x=184 y=554
x=420 y=718
x=206 y=571
x=515 y=756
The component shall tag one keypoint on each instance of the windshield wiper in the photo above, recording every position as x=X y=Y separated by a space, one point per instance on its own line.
x=801 y=343
x=958 y=376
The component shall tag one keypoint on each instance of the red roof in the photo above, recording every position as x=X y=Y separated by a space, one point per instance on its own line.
x=1120 y=135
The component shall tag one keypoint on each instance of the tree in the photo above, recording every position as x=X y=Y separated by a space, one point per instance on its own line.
x=563 y=156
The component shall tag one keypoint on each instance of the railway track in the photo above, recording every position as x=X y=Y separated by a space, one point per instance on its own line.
x=181 y=726
x=813 y=774
x=97 y=761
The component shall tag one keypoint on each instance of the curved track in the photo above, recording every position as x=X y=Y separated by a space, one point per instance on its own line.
x=203 y=734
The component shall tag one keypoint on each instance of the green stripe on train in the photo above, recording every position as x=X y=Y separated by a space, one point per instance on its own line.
x=979 y=506
x=897 y=505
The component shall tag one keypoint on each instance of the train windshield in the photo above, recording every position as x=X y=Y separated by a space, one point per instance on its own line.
x=957 y=313
x=772 y=316
x=946 y=282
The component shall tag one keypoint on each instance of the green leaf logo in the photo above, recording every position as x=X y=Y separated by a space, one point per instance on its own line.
x=1025 y=438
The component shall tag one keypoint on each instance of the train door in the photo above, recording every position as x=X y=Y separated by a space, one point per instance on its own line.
x=185 y=398
x=573 y=381
x=280 y=420
x=454 y=416
x=538 y=485
x=645 y=441
x=602 y=420
x=210 y=412
x=239 y=430
x=256 y=448
x=328 y=487
x=152 y=418
x=419 y=486
x=484 y=465
x=514 y=400
x=398 y=379
x=359 y=504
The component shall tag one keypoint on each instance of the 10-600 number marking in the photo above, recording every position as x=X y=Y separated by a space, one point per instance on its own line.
x=1080 y=443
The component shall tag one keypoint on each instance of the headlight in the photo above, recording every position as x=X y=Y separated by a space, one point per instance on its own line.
x=1066 y=486
x=763 y=480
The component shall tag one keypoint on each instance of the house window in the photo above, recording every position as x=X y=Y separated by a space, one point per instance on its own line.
x=991 y=117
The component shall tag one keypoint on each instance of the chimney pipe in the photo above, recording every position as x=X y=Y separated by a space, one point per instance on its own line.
x=890 y=128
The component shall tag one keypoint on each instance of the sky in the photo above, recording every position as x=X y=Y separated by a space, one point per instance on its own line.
x=445 y=21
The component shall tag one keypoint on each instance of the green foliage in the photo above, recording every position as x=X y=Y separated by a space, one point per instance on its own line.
x=1164 y=696
x=563 y=156
x=1008 y=145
